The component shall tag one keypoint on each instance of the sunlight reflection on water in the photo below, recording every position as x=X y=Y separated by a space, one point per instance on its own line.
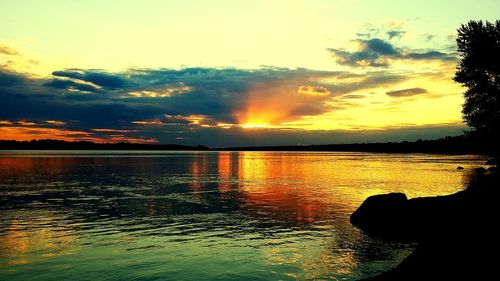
x=204 y=215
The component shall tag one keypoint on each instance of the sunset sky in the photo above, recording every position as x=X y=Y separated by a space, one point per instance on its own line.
x=224 y=73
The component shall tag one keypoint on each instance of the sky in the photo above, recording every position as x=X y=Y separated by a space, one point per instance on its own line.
x=232 y=73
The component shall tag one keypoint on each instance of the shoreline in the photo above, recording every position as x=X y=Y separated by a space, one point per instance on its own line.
x=457 y=145
x=454 y=233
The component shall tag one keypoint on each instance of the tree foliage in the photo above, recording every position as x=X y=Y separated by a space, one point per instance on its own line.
x=478 y=70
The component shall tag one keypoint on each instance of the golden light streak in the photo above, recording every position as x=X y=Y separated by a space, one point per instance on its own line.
x=23 y=238
x=195 y=119
x=198 y=170
x=166 y=92
x=226 y=170
x=225 y=125
x=255 y=126
x=106 y=130
x=154 y=122
x=26 y=123
x=38 y=133
x=32 y=133
x=55 y=122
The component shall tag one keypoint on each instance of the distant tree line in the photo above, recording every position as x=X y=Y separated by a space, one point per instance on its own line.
x=86 y=145
x=453 y=145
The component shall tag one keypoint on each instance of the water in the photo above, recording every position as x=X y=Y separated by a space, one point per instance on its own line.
x=122 y=215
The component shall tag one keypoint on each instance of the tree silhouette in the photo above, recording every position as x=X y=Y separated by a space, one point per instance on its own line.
x=478 y=70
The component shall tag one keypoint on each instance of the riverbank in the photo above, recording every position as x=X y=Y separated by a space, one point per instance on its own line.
x=456 y=234
x=458 y=145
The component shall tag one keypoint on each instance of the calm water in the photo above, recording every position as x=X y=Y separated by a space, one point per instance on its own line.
x=71 y=215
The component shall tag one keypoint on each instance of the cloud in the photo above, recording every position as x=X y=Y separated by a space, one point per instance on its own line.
x=8 y=51
x=373 y=52
x=353 y=96
x=407 y=92
x=12 y=60
x=98 y=78
x=395 y=34
x=8 y=79
x=155 y=122
x=30 y=133
x=351 y=82
x=55 y=122
x=380 y=47
x=314 y=90
x=379 y=53
x=430 y=55
x=390 y=30
x=71 y=85
x=212 y=106
x=104 y=130
x=180 y=99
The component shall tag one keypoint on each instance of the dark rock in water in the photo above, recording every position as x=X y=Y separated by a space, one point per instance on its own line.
x=480 y=170
x=394 y=217
x=492 y=162
x=382 y=215
x=457 y=234
x=460 y=168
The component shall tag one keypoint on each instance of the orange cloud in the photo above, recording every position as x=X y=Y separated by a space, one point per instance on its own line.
x=31 y=133
x=54 y=122
x=271 y=105
x=313 y=90
x=102 y=130
x=26 y=123
x=38 y=133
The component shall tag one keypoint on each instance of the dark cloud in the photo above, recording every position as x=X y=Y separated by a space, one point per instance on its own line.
x=95 y=99
x=70 y=84
x=366 y=81
x=380 y=47
x=98 y=78
x=374 y=52
x=379 y=53
x=407 y=92
x=431 y=55
x=389 y=30
x=195 y=105
x=429 y=37
x=8 y=79
x=395 y=34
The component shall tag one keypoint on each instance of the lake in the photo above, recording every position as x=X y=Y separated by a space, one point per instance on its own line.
x=166 y=215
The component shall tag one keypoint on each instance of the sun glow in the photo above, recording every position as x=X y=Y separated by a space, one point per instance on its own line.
x=255 y=126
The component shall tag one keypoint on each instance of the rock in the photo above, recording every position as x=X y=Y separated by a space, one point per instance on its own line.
x=460 y=168
x=480 y=170
x=382 y=215
x=492 y=162
x=457 y=234
x=394 y=217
